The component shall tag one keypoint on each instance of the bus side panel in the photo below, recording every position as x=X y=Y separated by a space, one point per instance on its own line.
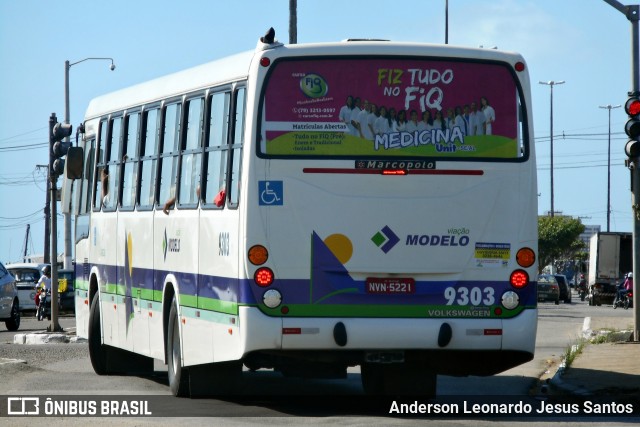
x=103 y=252
x=81 y=287
x=218 y=284
x=135 y=279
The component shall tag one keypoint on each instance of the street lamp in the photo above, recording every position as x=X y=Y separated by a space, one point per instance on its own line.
x=551 y=83
x=67 y=215
x=609 y=107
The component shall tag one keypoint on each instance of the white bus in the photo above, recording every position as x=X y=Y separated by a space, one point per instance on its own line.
x=273 y=209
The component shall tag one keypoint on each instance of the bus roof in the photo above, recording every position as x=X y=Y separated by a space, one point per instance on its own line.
x=236 y=67
x=203 y=76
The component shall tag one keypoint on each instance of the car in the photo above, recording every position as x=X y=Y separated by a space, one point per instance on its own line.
x=26 y=276
x=565 y=289
x=9 y=302
x=548 y=288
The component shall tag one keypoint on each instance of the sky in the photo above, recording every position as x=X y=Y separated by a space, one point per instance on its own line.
x=586 y=43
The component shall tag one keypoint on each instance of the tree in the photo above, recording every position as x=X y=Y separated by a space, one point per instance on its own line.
x=558 y=239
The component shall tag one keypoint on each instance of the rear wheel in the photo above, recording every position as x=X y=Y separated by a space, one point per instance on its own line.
x=178 y=375
x=13 y=323
x=96 y=352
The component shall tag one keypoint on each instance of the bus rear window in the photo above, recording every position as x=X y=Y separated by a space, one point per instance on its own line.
x=390 y=107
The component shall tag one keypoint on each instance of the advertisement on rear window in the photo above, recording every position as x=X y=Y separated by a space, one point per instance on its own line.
x=390 y=107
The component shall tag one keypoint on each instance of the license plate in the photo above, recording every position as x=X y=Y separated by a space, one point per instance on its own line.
x=390 y=285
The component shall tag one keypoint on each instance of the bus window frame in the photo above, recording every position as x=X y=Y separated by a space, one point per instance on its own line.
x=135 y=160
x=154 y=156
x=202 y=95
x=233 y=146
x=524 y=139
x=100 y=163
x=206 y=194
x=159 y=204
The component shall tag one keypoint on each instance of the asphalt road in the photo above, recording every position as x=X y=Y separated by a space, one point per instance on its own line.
x=55 y=369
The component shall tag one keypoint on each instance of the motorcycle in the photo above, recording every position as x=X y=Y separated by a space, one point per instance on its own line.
x=44 y=307
x=582 y=289
x=625 y=301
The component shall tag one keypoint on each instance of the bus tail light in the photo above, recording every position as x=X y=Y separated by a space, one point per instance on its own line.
x=263 y=277
x=519 y=279
x=258 y=255
x=519 y=66
x=525 y=257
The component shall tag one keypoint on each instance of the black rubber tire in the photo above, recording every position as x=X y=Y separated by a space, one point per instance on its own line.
x=13 y=323
x=178 y=375
x=97 y=352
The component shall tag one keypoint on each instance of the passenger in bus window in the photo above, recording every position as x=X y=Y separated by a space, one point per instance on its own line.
x=104 y=178
x=171 y=201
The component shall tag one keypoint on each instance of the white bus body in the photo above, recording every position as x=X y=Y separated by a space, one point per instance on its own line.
x=410 y=253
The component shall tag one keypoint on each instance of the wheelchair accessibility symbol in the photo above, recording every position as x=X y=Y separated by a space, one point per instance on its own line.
x=270 y=193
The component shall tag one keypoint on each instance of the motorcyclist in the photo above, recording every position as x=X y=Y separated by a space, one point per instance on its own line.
x=44 y=284
x=626 y=287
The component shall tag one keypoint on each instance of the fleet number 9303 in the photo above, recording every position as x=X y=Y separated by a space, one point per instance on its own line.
x=469 y=296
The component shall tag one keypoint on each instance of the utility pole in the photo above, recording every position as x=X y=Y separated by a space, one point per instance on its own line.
x=551 y=84
x=55 y=326
x=26 y=243
x=446 y=22
x=47 y=212
x=632 y=149
x=293 y=21
x=609 y=107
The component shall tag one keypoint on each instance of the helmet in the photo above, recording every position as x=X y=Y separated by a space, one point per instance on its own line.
x=46 y=269
x=630 y=275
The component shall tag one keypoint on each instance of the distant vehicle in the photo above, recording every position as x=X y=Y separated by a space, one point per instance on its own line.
x=548 y=288
x=26 y=276
x=66 y=291
x=9 y=301
x=565 y=289
x=610 y=257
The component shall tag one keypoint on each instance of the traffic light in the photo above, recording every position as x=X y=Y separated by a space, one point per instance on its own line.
x=59 y=132
x=632 y=128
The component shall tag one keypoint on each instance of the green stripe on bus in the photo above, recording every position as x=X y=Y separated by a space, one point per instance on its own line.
x=401 y=311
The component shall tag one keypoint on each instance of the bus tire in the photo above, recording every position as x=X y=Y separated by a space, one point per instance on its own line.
x=96 y=351
x=178 y=375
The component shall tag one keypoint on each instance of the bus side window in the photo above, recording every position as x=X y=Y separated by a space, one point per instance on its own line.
x=238 y=140
x=192 y=153
x=217 y=149
x=111 y=174
x=87 y=181
x=169 y=156
x=98 y=192
x=150 y=143
x=130 y=160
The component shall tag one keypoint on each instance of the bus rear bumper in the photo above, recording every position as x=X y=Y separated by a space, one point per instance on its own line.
x=454 y=346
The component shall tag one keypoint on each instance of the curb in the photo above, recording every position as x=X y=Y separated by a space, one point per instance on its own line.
x=5 y=361
x=42 y=338
x=557 y=381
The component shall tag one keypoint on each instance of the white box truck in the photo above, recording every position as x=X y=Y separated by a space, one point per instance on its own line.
x=610 y=258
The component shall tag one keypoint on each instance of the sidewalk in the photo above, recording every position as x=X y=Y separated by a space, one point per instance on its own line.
x=608 y=368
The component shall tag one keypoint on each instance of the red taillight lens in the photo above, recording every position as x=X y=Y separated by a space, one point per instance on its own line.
x=263 y=277
x=519 y=279
x=264 y=61
x=519 y=66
